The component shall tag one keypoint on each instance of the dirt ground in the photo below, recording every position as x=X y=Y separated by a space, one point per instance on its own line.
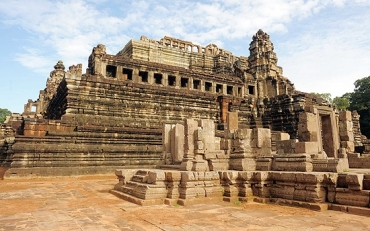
x=84 y=203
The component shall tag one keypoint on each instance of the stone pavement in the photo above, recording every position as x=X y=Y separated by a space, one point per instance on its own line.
x=83 y=203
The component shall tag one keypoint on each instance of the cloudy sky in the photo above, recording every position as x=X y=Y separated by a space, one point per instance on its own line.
x=322 y=45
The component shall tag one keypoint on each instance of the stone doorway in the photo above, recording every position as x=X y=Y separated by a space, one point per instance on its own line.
x=327 y=135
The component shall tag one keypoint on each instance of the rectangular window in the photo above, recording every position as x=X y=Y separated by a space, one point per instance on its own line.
x=196 y=84
x=208 y=86
x=144 y=76
x=171 y=80
x=184 y=82
x=240 y=92
x=111 y=71
x=158 y=78
x=251 y=90
x=229 y=90
x=218 y=88
x=127 y=73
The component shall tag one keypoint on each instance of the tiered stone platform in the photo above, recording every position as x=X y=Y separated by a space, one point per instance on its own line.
x=313 y=190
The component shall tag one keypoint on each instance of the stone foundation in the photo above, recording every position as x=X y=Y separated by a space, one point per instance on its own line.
x=294 y=188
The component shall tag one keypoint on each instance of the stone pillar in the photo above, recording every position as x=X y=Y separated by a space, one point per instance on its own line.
x=165 y=79
x=224 y=109
x=232 y=121
x=135 y=75
x=190 y=127
x=346 y=131
x=224 y=89
x=151 y=77
x=119 y=73
x=241 y=156
x=190 y=83
x=308 y=134
x=177 y=143
x=166 y=143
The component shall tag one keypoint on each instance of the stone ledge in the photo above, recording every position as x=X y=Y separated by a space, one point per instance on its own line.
x=350 y=209
x=136 y=200
x=64 y=171
x=312 y=206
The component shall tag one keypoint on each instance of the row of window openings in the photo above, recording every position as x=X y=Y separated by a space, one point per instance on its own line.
x=112 y=71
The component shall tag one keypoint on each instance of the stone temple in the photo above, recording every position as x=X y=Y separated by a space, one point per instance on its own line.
x=183 y=122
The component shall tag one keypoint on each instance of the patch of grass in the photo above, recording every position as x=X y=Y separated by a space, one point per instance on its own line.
x=237 y=203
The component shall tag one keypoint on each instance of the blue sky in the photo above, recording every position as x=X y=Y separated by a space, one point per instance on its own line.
x=322 y=45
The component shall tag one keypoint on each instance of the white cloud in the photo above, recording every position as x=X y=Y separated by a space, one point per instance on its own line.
x=331 y=56
x=34 y=59
x=69 y=29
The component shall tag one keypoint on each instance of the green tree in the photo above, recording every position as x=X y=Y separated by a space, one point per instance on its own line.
x=342 y=102
x=3 y=113
x=326 y=96
x=360 y=101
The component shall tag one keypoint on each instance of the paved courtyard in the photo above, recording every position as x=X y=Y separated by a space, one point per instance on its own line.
x=84 y=203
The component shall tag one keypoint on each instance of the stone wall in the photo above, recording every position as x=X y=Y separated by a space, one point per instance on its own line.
x=311 y=190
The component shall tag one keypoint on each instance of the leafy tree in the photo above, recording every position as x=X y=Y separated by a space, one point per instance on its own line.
x=326 y=96
x=3 y=113
x=360 y=101
x=342 y=102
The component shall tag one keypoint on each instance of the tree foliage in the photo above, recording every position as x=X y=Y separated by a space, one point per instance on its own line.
x=360 y=101
x=342 y=103
x=326 y=96
x=3 y=114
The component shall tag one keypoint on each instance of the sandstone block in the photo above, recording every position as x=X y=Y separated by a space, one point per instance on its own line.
x=309 y=136
x=177 y=143
x=262 y=143
x=345 y=116
x=243 y=134
x=155 y=176
x=173 y=176
x=245 y=176
x=282 y=191
x=230 y=176
x=232 y=121
x=189 y=128
x=200 y=166
x=354 y=181
x=188 y=176
x=198 y=134
x=261 y=176
x=166 y=134
x=342 y=152
x=282 y=136
x=261 y=133
x=245 y=164
x=186 y=165
x=225 y=144
x=200 y=145
x=307 y=147
x=208 y=126
x=346 y=136
x=285 y=146
x=345 y=126
x=355 y=198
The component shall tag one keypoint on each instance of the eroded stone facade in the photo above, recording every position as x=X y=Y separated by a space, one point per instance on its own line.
x=113 y=115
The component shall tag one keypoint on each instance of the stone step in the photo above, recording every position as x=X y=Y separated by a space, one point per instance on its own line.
x=169 y=167
x=136 y=200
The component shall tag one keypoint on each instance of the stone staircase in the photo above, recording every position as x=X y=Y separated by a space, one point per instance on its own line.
x=156 y=186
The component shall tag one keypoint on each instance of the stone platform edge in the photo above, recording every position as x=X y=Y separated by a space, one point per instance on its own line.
x=239 y=200
x=6 y=172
